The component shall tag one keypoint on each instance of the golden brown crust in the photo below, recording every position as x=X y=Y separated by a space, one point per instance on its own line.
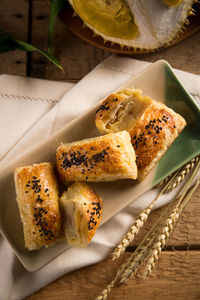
x=152 y=135
x=152 y=125
x=37 y=197
x=105 y=158
x=82 y=210
x=108 y=114
x=103 y=111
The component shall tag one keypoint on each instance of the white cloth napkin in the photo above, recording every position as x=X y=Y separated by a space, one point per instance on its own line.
x=32 y=110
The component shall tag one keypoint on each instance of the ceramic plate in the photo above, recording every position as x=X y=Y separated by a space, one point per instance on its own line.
x=157 y=81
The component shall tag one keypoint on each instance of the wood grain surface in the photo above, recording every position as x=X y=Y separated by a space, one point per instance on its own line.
x=177 y=274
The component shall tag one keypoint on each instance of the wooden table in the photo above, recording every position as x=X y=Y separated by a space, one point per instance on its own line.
x=177 y=274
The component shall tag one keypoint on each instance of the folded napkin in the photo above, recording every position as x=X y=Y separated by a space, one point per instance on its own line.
x=31 y=111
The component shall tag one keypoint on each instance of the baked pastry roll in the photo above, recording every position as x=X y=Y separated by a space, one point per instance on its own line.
x=152 y=125
x=81 y=208
x=37 y=197
x=121 y=110
x=103 y=158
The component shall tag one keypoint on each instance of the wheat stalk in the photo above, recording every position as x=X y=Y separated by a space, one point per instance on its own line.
x=160 y=242
x=171 y=183
x=156 y=240
x=105 y=293
x=166 y=232
x=183 y=172
x=135 y=258
x=171 y=221
x=152 y=244
x=134 y=229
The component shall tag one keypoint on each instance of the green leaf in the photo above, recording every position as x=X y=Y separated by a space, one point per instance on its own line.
x=28 y=47
x=7 y=42
x=55 y=7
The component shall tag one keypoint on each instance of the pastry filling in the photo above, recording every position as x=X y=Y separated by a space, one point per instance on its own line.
x=110 y=17
x=70 y=227
x=125 y=114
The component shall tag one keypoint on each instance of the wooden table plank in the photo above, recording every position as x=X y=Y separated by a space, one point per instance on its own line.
x=76 y=57
x=14 y=20
x=184 y=56
x=176 y=276
x=187 y=232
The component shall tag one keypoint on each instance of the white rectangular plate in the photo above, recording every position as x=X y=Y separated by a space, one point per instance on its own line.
x=157 y=81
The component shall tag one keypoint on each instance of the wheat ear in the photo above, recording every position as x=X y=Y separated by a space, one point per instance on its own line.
x=183 y=172
x=131 y=265
x=105 y=293
x=171 y=221
x=166 y=232
x=144 y=248
x=140 y=221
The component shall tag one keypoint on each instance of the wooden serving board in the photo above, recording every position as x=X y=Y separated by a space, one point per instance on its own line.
x=76 y=25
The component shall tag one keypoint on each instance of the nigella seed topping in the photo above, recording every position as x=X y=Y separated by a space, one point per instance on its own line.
x=150 y=129
x=96 y=211
x=34 y=184
x=103 y=107
x=39 y=199
x=41 y=223
x=76 y=159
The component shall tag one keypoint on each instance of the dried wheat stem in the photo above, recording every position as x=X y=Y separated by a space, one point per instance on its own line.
x=105 y=293
x=134 y=229
x=170 y=225
x=161 y=241
x=184 y=171
x=144 y=248
x=136 y=259
x=180 y=177
x=131 y=265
